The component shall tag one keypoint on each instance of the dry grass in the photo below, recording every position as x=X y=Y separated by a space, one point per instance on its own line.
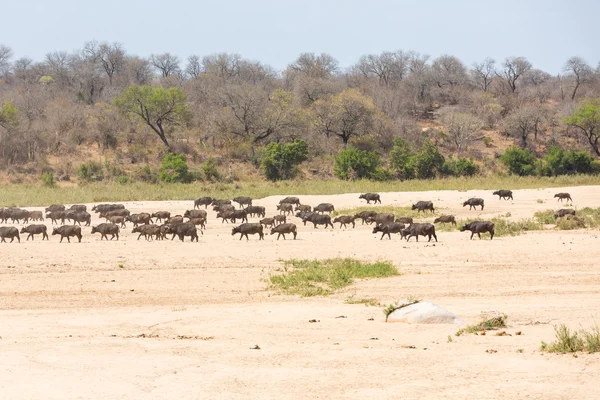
x=568 y=341
x=38 y=195
x=585 y=218
x=485 y=325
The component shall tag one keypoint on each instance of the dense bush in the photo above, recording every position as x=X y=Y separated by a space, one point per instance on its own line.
x=174 y=169
x=561 y=162
x=146 y=174
x=280 y=161
x=48 y=179
x=519 y=161
x=209 y=168
x=401 y=159
x=426 y=164
x=460 y=167
x=90 y=171
x=364 y=163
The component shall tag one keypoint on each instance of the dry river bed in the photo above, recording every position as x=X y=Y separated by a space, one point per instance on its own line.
x=164 y=319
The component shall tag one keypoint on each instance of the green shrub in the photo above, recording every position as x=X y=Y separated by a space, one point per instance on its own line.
x=460 y=167
x=487 y=141
x=401 y=159
x=209 y=168
x=48 y=179
x=561 y=162
x=280 y=161
x=123 y=179
x=428 y=162
x=145 y=174
x=519 y=161
x=90 y=171
x=174 y=169
x=364 y=163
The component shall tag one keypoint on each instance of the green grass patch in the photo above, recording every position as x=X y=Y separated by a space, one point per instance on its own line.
x=38 y=195
x=367 y=301
x=485 y=325
x=502 y=227
x=568 y=341
x=585 y=218
x=323 y=277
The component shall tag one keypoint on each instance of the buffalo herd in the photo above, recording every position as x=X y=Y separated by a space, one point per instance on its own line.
x=159 y=225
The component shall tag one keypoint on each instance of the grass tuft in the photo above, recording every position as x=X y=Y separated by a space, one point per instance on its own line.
x=485 y=325
x=367 y=301
x=387 y=310
x=585 y=218
x=568 y=341
x=323 y=277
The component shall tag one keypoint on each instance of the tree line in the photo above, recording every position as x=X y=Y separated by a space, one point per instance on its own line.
x=101 y=95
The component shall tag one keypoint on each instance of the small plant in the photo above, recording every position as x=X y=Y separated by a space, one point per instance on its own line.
x=540 y=201
x=519 y=350
x=507 y=215
x=367 y=301
x=48 y=179
x=485 y=325
x=450 y=340
x=393 y=307
x=487 y=141
x=121 y=266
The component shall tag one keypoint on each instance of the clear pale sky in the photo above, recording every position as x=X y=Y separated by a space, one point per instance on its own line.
x=547 y=32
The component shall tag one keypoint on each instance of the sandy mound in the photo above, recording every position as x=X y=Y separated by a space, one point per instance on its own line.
x=424 y=313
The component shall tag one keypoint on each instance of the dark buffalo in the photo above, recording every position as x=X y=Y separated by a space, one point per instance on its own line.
x=280 y=219
x=503 y=194
x=116 y=219
x=243 y=201
x=238 y=214
x=565 y=211
x=199 y=222
x=282 y=229
x=381 y=219
x=258 y=211
x=55 y=216
x=324 y=208
x=195 y=214
x=423 y=205
x=473 y=202
x=183 y=230
x=55 y=207
x=345 y=219
x=139 y=219
x=67 y=231
x=224 y=215
x=420 y=229
x=177 y=219
x=216 y=202
x=149 y=231
x=7 y=232
x=36 y=216
x=290 y=200
x=445 y=219
x=203 y=201
x=78 y=207
x=79 y=217
x=303 y=215
x=365 y=215
x=285 y=208
x=267 y=222
x=404 y=220
x=303 y=208
x=563 y=196
x=105 y=229
x=223 y=207
x=17 y=214
x=119 y=211
x=319 y=219
x=393 y=227
x=102 y=208
x=159 y=216
x=35 y=230
x=249 y=229
x=371 y=197
x=479 y=227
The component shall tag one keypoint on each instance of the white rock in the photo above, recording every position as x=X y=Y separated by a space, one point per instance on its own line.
x=424 y=313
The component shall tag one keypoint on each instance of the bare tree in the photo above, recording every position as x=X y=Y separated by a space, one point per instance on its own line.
x=512 y=69
x=5 y=56
x=193 y=69
x=388 y=67
x=315 y=66
x=224 y=66
x=483 y=73
x=523 y=122
x=579 y=71
x=110 y=56
x=58 y=65
x=139 y=70
x=166 y=64
x=462 y=128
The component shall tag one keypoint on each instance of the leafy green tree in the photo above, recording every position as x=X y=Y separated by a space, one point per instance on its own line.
x=519 y=161
x=364 y=163
x=174 y=169
x=586 y=118
x=401 y=159
x=9 y=116
x=428 y=162
x=156 y=106
x=280 y=161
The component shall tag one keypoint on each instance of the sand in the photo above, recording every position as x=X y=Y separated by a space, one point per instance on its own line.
x=170 y=320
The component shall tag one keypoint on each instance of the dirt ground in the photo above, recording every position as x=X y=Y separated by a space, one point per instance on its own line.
x=163 y=320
